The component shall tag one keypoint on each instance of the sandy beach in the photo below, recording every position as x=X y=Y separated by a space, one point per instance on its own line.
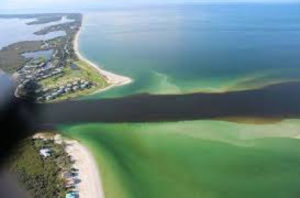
x=112 y=79
x=90 y=184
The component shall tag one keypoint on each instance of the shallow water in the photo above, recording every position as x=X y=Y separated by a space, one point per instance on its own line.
x=15 y=30
x=188 y=49
x=43 y=53
x=194 y=158
x=180 y=49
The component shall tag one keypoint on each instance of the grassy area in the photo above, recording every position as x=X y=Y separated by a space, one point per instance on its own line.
x=91 y=73
x=85 y=72
x=11 y=58
x=40 y=176
x=195 y=158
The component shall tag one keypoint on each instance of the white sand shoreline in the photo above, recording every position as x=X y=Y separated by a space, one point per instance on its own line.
x=90 y=185
x=114 y=80
x=90 y=181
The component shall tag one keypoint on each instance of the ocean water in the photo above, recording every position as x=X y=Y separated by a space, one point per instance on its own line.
x=182 y=49
x=191 y=48
x=210 y=159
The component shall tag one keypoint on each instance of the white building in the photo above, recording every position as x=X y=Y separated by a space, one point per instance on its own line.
x=45 y=152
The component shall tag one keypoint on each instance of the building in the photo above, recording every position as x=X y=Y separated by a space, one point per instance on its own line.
x=72 y=194
x=46 y=152
x=67 y=175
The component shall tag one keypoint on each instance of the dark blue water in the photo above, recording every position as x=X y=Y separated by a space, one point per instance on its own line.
x=191 y=48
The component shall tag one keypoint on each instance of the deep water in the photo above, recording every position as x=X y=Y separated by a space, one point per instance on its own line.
x=183 y=49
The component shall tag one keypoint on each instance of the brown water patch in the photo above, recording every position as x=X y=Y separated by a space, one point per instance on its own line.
x=251 y=120
x=270 y=103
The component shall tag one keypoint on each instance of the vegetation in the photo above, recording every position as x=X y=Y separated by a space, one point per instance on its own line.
x=46 y=19
x=40 y=176
x=11 y=58
x=64 y=56
x=84 y=71
x=63 y=60
x=91 y=73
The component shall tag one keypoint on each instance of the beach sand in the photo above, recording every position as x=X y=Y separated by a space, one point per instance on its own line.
x=112 y=79
x=90 y=184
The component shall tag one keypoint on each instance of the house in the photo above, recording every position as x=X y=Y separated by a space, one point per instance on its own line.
x=74 y=66
x=38 y=91
x=83 y=86
x=70 y=182
x=67 y=175
x=72 y=194
x=75 y=83
x=49 y=98
x=67 y=90
x=46 y=152
x=60 y=91
x=75 y=88
x=21 y=86
x=45 y=90
x=40 y=99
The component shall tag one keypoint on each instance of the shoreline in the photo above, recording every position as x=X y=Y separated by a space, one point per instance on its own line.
x=113 y=80
x=90 y=185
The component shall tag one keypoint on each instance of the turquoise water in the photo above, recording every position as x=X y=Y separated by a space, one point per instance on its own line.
x=180 y=49
x=193 y=159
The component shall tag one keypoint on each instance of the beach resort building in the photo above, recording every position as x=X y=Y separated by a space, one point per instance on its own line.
x=46 y=152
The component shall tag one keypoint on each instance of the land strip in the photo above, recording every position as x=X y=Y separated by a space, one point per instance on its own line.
x=49 y=165
x=66 y=74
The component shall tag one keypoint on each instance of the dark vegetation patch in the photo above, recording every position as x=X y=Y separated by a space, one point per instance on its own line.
x=45 y=19
x=11 y=58
x=64 y=26
x=38 y=175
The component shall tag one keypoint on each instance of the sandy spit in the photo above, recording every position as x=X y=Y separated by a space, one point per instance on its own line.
x=112 y=79
x=90 y=185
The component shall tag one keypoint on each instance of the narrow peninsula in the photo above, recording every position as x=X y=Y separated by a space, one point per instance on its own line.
x=46 y=71
x=53 y=70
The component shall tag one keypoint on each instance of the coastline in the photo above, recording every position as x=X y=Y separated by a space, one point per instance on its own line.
x=113 y=80
x=90 y=181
